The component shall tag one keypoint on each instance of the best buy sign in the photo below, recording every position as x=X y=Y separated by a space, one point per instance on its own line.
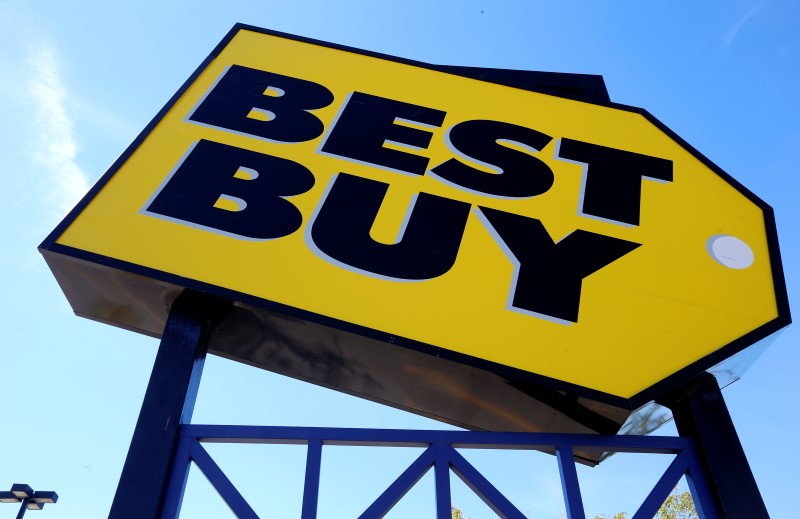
x=578 y=242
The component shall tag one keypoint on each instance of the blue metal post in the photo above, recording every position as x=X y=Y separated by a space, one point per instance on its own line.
x=22 y=508
x=441 y=474
x=569 y=482
x=311 y=487
x=701 y=414
x=168 y=402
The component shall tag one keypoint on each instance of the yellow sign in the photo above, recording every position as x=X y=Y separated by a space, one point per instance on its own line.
x=580 y=242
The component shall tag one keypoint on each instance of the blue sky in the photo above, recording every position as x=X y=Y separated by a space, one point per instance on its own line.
x=79 y=80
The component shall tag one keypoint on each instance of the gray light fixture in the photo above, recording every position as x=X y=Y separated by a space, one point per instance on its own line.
x=21 y=493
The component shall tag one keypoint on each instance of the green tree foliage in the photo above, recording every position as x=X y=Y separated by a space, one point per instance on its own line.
x=678 y=505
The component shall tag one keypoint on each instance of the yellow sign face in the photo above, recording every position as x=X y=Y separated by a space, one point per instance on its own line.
x=581 y=242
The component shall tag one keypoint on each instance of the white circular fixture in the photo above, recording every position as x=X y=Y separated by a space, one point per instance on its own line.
x=730 y=251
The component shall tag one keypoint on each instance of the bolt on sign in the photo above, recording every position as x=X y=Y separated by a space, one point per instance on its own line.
x=491 y=256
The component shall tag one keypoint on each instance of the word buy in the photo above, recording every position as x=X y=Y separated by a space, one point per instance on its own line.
x=243 y=193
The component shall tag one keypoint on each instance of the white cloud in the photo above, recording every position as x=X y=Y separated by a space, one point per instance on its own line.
x=736 y=28
x=56 y=146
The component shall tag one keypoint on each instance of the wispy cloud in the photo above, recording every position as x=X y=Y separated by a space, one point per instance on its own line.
x=737 y=27
x=56 y=146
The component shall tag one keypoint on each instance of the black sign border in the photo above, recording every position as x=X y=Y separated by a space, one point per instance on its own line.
x=577 y=87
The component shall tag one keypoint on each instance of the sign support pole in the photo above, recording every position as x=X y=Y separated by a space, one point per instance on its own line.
x=168 y=403
x=701 y=414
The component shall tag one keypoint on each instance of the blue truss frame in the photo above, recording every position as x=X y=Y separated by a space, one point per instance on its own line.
x=441 y=453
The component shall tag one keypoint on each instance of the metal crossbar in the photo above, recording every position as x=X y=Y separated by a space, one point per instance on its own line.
x=442 y=455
